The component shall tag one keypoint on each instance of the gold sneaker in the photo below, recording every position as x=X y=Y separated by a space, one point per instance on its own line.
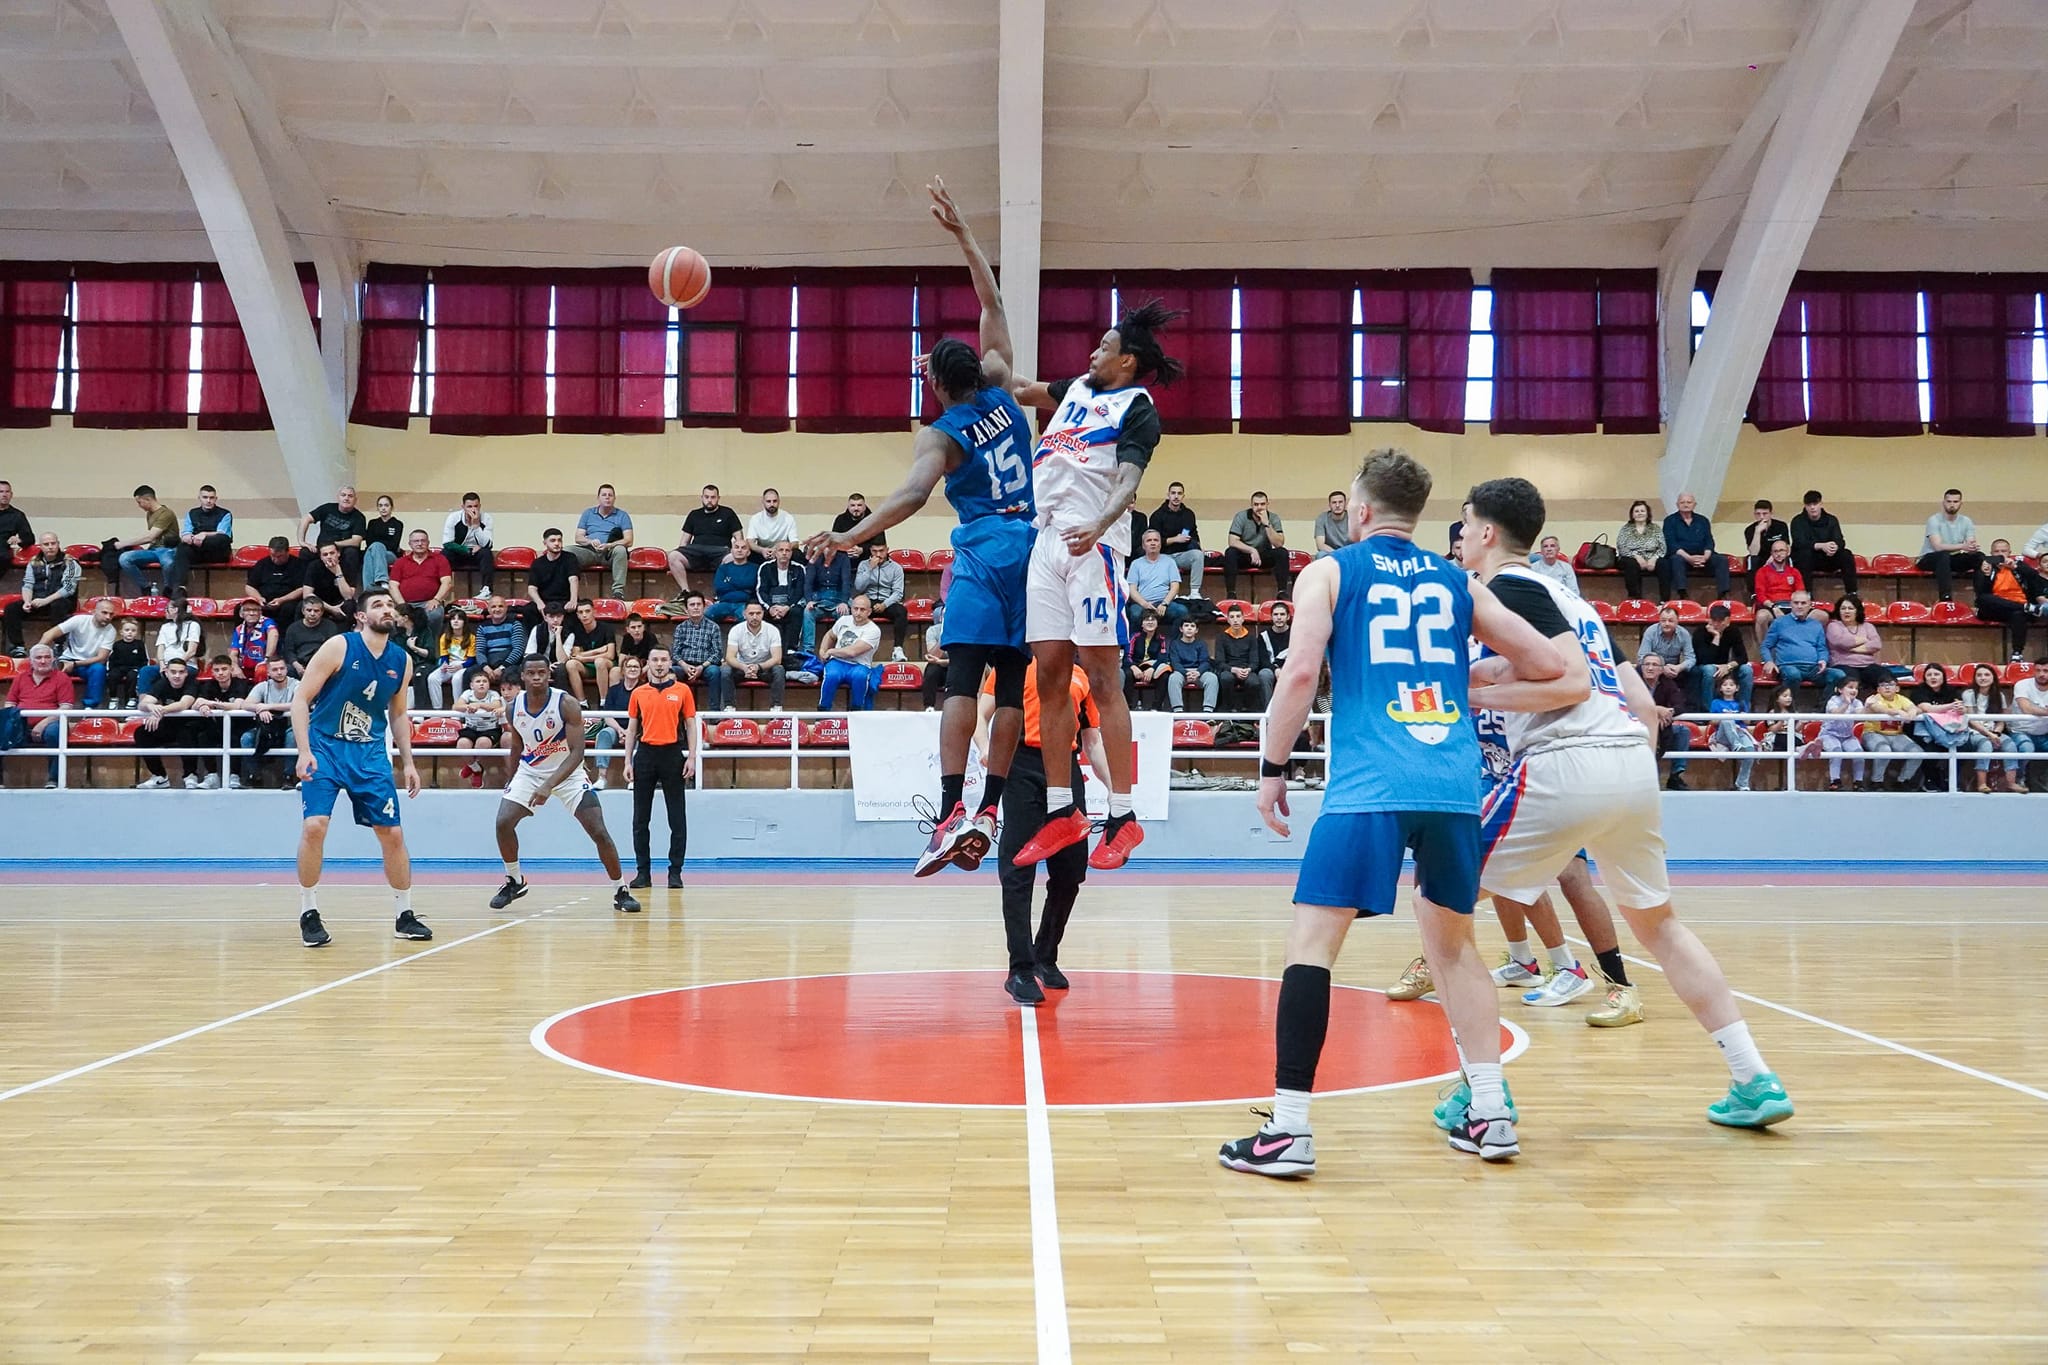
x=1623 y=1007
x=1414 y=983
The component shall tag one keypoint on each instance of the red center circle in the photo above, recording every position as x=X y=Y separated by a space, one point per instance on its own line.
x=951 y=1038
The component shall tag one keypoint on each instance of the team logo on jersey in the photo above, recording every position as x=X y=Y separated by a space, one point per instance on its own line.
x=1427 y=713
x=1102 y=409
x=355 y=723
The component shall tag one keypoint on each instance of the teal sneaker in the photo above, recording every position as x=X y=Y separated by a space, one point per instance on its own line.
x=1456 y=1098
x=1758 y=1103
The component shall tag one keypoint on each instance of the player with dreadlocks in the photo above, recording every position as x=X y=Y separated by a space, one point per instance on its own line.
x=1098 y=438
x=977 y=446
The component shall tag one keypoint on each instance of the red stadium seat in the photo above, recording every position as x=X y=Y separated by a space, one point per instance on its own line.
x=1893 y=564
x=1265 y=610
x=1194 y=734
x=609 y=609
x=248 y=556
x=1690 y=613
x=734 y=732
x=2015 y=673
x=148 y=608
x=102 y=731
x=646 y=558
x=1954 y=614
x=779 y=731
x=85 y=554
x=648 y=608
x=1737 y=611
x=910 y=561
x=1636 y=612
x=1212 y=559
x=919 y=608
x=1862 y=564
x=436 y=732
x=519 y=557
x=1690 y=731
x=207 y=609
x=23 y=556
x=829 y=733
x=1603 y=610
x=93 y=604
x=902 y=677
x=9 y=600
x=1766 y=676
x=1809 y=731
x=1907 y=613
x=7 y=667
x=1223 y=607
x=939 y=560
x=1297 y=560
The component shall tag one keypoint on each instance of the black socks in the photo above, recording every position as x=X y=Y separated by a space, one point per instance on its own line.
x=1304 y=1020
x=1611 y=966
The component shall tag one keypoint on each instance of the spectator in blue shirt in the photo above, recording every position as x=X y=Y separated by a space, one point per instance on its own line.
x=1689 y=545
x=1152 y=583
x=1191 y=666
x=1798 y=646
x=500 y=642
x=734 y=585
x=605 y=533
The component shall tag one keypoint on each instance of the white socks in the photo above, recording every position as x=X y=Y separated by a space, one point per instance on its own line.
x=1489 y=1096
x=512 y=871
x=1520 y=951
x=1058 y=798
x=309 y=898
x=1290 y=1112
x=1745 y=1063
x=401 y=901
x=1562 y=958
x=1119 y=805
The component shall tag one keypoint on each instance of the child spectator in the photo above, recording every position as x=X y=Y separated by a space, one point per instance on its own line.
x=1888 y=735
x=1237 y=666
x=1732 y=736
x=483 y=722
x=1146 y=671
x=604 y=733
x=253 y=640
x=1781 y=735
x=125 y=667
x=1838 y=734
x=1189 y=664
x=455 y=657
x=1719 y=652
x=1985 y=696
x=270 y=701
x=634 y=641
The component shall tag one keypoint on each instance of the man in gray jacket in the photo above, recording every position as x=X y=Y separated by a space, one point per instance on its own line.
x=1673 y=645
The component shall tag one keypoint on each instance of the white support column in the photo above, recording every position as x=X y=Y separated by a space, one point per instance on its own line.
x=1020 y=152
x=205 y=124
x=1825 y=98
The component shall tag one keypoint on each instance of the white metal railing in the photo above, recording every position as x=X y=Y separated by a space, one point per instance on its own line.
x=1776 y=747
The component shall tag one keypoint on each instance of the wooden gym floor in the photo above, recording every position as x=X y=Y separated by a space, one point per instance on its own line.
x=362 y=1155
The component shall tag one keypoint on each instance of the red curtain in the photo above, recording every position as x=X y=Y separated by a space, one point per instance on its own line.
x=1199 y=403
x=134 y=345
x=1980 y=353
x=854 y=364
x=394 y=322
x=1779 y=399
x=490 y=351
x=1545 y=351
x=1073 y=313
x=32 y=299
x=611 y=352
x=230 y=395
x=1629 y=351
x=1439 y=343
x=735 y=353
x=1862 y=334
x=946 y=307
x=1295 y=352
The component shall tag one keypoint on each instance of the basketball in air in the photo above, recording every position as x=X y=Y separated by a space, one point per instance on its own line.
x=680 y=277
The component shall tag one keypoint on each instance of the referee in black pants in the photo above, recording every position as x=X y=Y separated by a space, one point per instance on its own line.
x=1036 y=961
x=661 y=752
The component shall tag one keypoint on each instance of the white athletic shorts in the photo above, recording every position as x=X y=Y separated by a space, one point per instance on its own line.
x=1074 y=597
x=1599 y=797
x=527 y=787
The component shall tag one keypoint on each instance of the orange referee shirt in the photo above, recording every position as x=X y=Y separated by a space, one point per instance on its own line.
x=661 y=711
x=1090 y=717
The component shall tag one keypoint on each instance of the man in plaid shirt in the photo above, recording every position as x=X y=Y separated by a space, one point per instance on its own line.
x=699 y=647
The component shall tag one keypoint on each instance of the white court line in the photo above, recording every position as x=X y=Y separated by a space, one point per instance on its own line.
x=308 y=994
x=1048 y=1280
x=1844 y=1029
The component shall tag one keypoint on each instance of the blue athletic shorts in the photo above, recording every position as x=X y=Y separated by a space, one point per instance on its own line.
x=1354 y=860
x=985 y=604
x=362 y=770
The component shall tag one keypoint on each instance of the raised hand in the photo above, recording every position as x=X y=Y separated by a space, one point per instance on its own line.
x=944 y=209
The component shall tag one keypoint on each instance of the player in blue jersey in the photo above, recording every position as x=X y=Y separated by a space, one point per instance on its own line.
x=1392 y=618
x=981 y=447
x=353 y=694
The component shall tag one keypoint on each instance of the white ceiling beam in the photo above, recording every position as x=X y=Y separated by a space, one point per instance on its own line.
x=1355 y=138
x=1020 y=162
x=59 y=131
x=221 y=164
x=702 y=50
x=102 y=200
x=823 y=138
x=1092 y=46
x=1824 y=104
x=34 y=49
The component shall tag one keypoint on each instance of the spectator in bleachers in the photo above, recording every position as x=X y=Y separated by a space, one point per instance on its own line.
x=1273 y=643
x=168 y=723
x=1774 y=582
x=16 y=534
x=636 y=641
x=1781 y=736
x=769 y=525
x=2011 y=593
x=49 y=591
x=782 y=588
x=1764 y=527
x=303 y=637
x=1152 y=583
x=1941 y=728
x=609 y=733
x=43 y=687
x=179 y=637
x=1719 y=653
x=1854 y=647
x=736 y=583
x=157 y=545
x=466 y=540
x=591 y=652
x=1638 y=545
x=483 y=723
x=328 y=583
x=551 y=582
x=84 y=643
x=708 y=535
x=220 y=694
x=125 y=666
x=1818 y=545
x=830 y=575
x=1549 y=560
x=2036 y=549
x=1732 y=736
x=278 y=581
x=1257 y=541
x=1147 y=674
x=1237 y=666
x=1457 y=553
x=1797 y=644
x=1888 y=734
x=880 y=580
x=422 y=578
x=1333 y=526
x=454 y=659
x=604 y=535
x=1188 y=658
x=847 y=653
x=500 y=641
x=1985 y=696
x=383 y=542
x=205 y=536
x=253 y=639
x=936 y=660
x=410 y=633
x=1838 y=734
x=1670 y=700
x=270 y=706
x=856 y=512
x=1179 y=537
x=1950 y=545
x=1140 y=523
x=2030 y=718
x=753 y=653
x=1673 y=643
x=698 y=648
x=341 y=524
x=1465 y=515
x=1688 y=547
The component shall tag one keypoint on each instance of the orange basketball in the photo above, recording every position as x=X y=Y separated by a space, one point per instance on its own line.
x=680 y=277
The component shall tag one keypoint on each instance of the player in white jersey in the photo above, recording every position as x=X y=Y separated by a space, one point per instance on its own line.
x=1099 y=435
x=549 y=724
x=1584 y=777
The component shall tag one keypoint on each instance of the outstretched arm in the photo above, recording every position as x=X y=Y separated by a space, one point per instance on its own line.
x=927 y=467
x=998 y=357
